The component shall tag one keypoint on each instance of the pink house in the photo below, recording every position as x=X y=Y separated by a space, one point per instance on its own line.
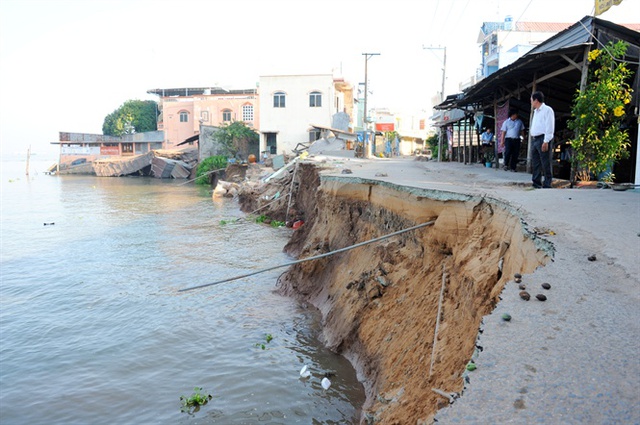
x=183 y=110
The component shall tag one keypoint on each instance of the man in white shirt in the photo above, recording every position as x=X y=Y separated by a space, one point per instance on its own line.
x=512 y=130
x=542 y=128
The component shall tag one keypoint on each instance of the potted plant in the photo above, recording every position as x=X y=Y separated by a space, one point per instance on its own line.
x=488 y=157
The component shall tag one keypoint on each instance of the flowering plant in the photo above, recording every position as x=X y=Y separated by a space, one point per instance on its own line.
x=599 y=111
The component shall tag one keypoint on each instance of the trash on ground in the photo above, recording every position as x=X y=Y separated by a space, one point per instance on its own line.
x=305 y=372
x=325 y=383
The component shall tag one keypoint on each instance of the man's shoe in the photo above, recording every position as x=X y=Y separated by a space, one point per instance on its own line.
x=537 y=186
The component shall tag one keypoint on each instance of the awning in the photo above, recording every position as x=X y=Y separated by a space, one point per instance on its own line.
x=555 y=65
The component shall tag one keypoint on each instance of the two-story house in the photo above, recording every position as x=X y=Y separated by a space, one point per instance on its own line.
x=290 y=105
x=183 y=110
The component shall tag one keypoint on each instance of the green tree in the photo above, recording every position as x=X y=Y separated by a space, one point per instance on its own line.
x=598 y=112
x=236 y=138
x=133 y=116
x=432 y=142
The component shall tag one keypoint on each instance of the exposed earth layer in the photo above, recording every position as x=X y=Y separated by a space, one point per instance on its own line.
x=383 y=303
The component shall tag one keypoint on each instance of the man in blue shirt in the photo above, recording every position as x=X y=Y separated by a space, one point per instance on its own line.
x=487 y=144
x=542 y=128
x=512 y=130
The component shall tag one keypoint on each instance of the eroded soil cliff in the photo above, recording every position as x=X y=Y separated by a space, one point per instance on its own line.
x=380 y=302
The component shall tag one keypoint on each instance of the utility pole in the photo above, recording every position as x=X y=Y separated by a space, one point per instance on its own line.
x=444 y=76
x=367 y=145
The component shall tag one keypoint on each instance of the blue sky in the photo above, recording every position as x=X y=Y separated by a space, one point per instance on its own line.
x=65 y=65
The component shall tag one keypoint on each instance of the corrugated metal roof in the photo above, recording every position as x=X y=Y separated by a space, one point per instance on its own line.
x=579 y=33
x=195 y=91
x=548 y=58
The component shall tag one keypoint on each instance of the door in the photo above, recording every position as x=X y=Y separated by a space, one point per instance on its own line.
x=272 y=145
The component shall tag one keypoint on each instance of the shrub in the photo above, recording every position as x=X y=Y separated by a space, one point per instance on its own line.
x=598 y=112
x=218 y=162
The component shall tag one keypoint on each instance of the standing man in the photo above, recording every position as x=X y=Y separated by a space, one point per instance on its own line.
x=542 y=128
x=512 y=131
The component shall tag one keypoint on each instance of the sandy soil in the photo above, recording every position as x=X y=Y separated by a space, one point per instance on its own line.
x=380 y=302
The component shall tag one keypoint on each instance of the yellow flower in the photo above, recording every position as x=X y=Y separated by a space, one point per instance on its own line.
x=618 y=111
x=593 y=55
x=583 y=116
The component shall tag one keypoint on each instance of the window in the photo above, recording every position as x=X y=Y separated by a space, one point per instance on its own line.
x=247 y=113
x=184 y=116
x=315 y=99
x=226 y=115
x=204 y=116
x=279 y=99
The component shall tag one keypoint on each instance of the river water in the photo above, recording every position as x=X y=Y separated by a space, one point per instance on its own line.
x=93 y=330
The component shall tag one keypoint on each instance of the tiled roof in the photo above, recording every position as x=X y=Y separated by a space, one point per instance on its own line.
x=542 y=26
x=634 y=27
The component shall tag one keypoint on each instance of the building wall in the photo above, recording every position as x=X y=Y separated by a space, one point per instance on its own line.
x=76 y=148
x=210 y=109
x=291 y=123
x=174 y=130
x=205 y=109
x=498 y=47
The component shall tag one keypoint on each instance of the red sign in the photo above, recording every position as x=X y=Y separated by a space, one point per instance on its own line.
x=384 y=126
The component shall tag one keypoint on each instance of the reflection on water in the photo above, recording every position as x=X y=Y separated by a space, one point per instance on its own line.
x=93 y=330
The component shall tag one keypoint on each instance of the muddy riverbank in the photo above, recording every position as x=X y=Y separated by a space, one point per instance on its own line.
x=380 y=302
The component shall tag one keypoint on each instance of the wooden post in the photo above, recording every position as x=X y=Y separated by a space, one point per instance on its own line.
x=495 y=133
x=28 y=158
x=458 y=140
x=464 y=152
x=435 y=334
x=533 y=89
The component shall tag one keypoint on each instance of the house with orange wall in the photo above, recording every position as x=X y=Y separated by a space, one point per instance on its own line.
x=183 y=110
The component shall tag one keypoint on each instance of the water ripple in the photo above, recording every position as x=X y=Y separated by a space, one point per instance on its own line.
x=93 y=330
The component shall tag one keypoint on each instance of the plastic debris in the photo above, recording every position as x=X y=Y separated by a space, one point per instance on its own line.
x=325 y=383
x=305 y=372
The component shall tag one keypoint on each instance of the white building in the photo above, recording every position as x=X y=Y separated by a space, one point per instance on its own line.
x=502 y=43
x=291 y=104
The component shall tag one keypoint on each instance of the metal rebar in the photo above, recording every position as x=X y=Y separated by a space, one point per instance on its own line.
x=317 y=257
